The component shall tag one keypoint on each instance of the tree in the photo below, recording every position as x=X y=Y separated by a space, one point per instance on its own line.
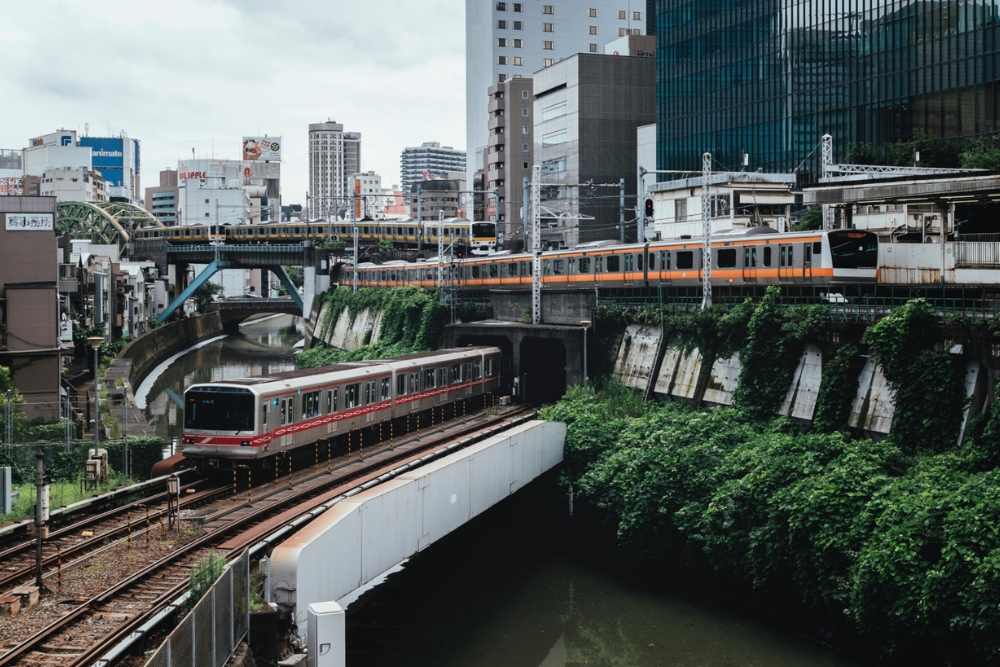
x=205 y=293
x=811 y=219
x=982 y=153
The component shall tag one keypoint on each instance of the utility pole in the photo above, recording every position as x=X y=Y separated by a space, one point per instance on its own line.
x=640 y=198
x=420 y=222
x=41 y=514
x=8 y=427
x=440 y=247
x=536 y=244
x=621 y=213
x=827 y=154
x=525 y=193
x=706 y=231
x=354 y=225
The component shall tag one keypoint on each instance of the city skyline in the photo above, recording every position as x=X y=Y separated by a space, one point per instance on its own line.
x=311 y=64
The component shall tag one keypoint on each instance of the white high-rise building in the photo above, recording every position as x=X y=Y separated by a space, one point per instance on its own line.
x=515 y=39
x=430 y=157
x=334 y=155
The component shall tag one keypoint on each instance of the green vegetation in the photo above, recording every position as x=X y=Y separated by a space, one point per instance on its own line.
x=978 y=153
x=900 y=537
x=811 y=219
x=204 y=294
x=204 y=573
x=412 y=321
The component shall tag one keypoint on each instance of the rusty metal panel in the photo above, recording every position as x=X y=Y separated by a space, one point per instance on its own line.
x=873 y=406
x=668 y=369
x=637 y=355
x=722 y=381
x=800 y=401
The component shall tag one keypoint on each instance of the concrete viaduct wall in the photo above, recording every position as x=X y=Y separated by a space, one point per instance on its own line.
x=145 y=352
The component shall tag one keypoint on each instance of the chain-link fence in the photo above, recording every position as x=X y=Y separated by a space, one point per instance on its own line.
x=208 y=635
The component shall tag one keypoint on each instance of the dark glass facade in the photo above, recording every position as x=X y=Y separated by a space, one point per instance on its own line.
x=770 y=77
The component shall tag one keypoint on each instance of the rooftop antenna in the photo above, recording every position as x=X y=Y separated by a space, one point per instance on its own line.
x=86 y=129
x=192 y=152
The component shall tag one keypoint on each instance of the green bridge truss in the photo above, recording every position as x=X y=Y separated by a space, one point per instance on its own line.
x=103 y=222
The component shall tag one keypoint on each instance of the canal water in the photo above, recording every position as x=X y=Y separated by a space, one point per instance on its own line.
x=522 y=585
x=259 y=349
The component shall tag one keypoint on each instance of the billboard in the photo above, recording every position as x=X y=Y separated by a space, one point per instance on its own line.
x=11 y=187
x=264 y=149
x=29 y=222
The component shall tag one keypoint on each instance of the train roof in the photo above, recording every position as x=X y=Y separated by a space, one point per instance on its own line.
x=305 y=377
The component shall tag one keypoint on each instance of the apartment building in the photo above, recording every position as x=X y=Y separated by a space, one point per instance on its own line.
x=334 y=155
x=509 y=156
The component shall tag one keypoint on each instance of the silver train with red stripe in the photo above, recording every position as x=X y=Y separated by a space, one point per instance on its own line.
x=236 y=421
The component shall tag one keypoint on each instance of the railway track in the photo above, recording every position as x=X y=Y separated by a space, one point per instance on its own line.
x=79 y=637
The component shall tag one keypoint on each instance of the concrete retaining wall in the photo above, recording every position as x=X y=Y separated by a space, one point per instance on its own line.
x=637 y=356
x=359 y=538
x=346 y=332
x=147 y=351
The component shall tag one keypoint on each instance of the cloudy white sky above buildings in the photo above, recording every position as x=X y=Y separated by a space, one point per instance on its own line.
x=202 y=73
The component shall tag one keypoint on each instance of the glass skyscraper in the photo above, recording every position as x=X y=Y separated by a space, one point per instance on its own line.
x=769 y=77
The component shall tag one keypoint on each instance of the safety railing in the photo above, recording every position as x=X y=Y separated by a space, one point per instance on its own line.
x=208 y=635
x=260 y=248
x=977 y=254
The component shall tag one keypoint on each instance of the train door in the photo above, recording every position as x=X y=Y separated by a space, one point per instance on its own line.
x=786 y=262
x=807 y=260
x=750 y=264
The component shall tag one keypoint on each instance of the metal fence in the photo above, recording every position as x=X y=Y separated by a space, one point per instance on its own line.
x=977 y=254
x=208 y=635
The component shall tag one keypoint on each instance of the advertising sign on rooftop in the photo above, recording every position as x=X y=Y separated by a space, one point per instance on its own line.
x=263 y=149
x=11 y=187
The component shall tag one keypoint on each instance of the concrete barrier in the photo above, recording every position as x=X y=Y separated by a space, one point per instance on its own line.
x=147 y=351
x=344 y=332
x=637 y=355
x=361 y=537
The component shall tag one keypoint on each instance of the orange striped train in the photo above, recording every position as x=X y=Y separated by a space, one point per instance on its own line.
x=756 y=256
x=238 y=421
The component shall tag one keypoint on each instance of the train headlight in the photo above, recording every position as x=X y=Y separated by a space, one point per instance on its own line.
x=244 y=443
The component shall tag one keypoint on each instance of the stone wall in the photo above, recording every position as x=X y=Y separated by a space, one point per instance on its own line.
x=148 y=350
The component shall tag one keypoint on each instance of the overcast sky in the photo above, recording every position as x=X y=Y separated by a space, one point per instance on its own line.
x=192 y=73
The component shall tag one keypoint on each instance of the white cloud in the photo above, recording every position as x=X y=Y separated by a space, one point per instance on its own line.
x=190 y=74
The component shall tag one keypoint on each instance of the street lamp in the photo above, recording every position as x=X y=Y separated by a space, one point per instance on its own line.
x=96 y=342
x=586 y=325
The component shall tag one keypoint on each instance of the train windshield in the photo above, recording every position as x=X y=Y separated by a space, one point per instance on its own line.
x=852 y=249
x=218 y=409
x=481 y=230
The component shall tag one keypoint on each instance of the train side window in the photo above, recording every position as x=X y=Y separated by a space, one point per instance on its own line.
x=475 y=271
x=638 y=261
x=572 y=266
x=685 y=259
x=494 y=270
x=664 y=260
x=351 y=395
x=652 y=261
x=547 y=267
x=807 y=257
x=817 y=247
x=781 y=251
x=329 y=401
x=791 y=255
x=628 y=262
x=263 y=414
x=767 y=255
x=584 y=265
x=614 y=263
x=558 y=267
x=291 y=410
x=414 y=382
x=727 y=258
x=512 y=269
x=281 y=411
x=455 y=373
x=401 y=384
x=528 y=268
x=429 y=378
x=476 y=370
x=442 y=377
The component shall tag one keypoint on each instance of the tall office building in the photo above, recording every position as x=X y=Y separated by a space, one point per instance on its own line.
x=509 y=40
x=430 y=157
x=761 y=79
x=334 y=155
x=509 y=157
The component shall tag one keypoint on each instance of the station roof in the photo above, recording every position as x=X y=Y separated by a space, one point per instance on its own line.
x=980 y=187
x=735 y=178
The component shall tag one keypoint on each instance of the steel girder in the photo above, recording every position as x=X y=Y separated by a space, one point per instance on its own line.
x=102 y=222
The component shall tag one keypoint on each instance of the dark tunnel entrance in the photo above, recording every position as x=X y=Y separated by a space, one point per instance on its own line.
x=543 y=369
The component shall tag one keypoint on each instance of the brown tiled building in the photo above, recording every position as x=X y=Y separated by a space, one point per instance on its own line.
x=29 y=301
x=508 y=156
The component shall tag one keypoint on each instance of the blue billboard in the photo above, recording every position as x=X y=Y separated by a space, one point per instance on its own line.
x=109 y=156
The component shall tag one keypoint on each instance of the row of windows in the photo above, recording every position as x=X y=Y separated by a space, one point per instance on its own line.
x=593 y=13
x=549 y=27
x=317 y=403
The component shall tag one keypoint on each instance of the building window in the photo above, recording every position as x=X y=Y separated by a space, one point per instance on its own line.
x=622 y=32
x=554 y=138
x=524 y=165
x=501 y=60
x=501 y=41
x=517 y=25
x=501 y=78
x=501 y=6
x=517 y=76
x=518 y=61
x=593 y=30
x=547 y=9
x=547 y=27
x=622 y=15
x=554 y=111
x=517 y=42
x=525 y=129
x=554 y=166
x=592 y=13
x=548 y=46
x=546 y=62
x=517 y=7
x=636 y=31
x=524 y=148
x=636 y=16
x=524 y=111
x=502 y=25
x=524 y=94
x=593 y=48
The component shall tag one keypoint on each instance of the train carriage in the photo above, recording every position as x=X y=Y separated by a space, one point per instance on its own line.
x=230 y=422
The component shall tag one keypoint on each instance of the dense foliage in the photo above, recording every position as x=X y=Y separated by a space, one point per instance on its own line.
x=906 y=547
x=412 y=321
